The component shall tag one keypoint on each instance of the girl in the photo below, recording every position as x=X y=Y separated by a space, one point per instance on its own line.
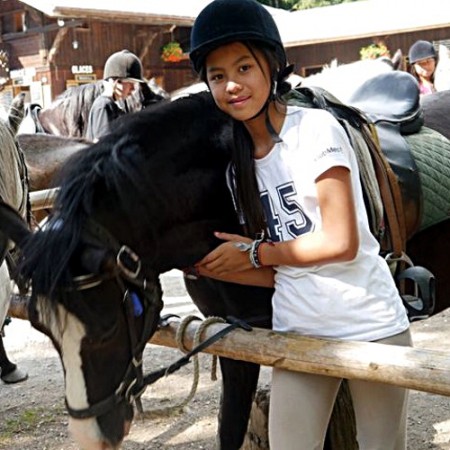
x=423 y=59
x=294 y=177
x=121 y=72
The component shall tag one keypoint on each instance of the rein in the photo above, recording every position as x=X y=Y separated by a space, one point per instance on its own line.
x=127 y=271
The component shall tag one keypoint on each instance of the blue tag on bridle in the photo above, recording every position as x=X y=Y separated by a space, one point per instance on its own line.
x=137 y=304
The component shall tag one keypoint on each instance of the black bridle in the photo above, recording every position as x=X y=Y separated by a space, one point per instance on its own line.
x=128 y=273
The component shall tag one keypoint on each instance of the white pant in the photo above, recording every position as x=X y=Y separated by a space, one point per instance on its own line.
x=301 y=405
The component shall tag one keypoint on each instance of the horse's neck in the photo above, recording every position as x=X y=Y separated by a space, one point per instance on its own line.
x=342 y=81
x=442 y=73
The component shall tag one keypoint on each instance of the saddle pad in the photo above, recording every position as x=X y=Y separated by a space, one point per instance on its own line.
x=431 y=151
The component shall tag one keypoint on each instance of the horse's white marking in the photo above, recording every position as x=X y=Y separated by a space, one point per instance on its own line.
x=68 y=332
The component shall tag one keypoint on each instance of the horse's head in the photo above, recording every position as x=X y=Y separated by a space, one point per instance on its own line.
x=99 y=313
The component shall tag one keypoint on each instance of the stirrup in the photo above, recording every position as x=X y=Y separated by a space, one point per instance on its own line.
x=419 y=305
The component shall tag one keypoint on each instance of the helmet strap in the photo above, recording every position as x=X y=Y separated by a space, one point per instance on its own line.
x=273 y=134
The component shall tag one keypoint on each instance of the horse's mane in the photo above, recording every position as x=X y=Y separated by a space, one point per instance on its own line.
x=121 y=177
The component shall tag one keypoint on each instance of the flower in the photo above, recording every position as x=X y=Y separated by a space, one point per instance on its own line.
x=374 y=51
x=172 y=52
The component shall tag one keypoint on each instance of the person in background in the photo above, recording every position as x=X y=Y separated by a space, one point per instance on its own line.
x=423 y=60
x=296 y=183
x=9 y=372
x=121 y=72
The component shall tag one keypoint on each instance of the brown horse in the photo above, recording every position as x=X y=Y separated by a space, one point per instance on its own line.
x=68 y=114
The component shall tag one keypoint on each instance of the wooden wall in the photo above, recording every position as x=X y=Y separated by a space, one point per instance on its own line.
x=316 y=55
x=40 y=44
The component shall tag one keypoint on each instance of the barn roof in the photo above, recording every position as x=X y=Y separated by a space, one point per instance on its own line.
x=330 y=23
x=361 y=19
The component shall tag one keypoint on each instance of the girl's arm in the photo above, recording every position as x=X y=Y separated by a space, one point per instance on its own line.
x=337 y=240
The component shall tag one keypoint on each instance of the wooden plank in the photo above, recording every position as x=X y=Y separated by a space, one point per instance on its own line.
x=419 y=369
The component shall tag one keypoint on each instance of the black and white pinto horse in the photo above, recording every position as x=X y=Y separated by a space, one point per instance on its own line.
x=154 y=187
x=68 y=114
x=175 y=197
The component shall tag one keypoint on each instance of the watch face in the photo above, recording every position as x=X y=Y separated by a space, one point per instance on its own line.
x=242 y=246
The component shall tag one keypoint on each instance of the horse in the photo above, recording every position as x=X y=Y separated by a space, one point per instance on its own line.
x=68 y=114
x=14 y=191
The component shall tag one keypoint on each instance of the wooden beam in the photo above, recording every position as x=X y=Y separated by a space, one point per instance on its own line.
x=43 y=29
x=419 y=369
x=42 y=199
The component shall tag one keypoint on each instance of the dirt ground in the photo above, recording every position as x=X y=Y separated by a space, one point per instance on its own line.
x=32 y=414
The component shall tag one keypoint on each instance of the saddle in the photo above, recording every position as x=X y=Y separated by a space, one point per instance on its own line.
x=382 y=153
x=391 y=101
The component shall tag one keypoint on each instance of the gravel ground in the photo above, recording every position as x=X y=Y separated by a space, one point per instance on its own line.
x=32 y=415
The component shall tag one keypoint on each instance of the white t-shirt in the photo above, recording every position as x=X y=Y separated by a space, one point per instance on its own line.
x=354 y=300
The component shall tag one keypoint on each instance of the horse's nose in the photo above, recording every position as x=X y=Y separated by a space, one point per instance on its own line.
x=89 y=437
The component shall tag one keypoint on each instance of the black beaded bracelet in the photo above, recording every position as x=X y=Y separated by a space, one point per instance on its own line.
x=254 y=254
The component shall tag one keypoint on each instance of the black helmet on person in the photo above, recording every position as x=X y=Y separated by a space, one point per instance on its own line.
x=124 y=65
x=421 y=50
x=225 y=21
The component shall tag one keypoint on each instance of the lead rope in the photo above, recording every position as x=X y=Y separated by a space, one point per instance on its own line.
x=196 y=341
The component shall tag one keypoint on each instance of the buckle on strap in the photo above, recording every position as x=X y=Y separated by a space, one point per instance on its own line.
x=128 y=262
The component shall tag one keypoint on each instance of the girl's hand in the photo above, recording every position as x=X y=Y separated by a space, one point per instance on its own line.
x=227 y=258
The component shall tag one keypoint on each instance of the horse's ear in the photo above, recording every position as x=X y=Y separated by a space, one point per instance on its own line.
x=16 y=112
x=397 y=59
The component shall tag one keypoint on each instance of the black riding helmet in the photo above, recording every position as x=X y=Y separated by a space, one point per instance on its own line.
x=225 y=21
x=124 y=65
x=421 y=50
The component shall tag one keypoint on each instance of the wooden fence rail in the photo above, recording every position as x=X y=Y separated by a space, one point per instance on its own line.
x=419 y=369
x=42 y=199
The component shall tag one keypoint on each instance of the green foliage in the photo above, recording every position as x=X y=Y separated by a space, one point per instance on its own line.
x=26 y=421
x=302 y=4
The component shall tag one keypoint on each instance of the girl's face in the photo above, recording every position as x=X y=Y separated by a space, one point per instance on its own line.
x=425 y=68
x=239 y=83
x=123 y=89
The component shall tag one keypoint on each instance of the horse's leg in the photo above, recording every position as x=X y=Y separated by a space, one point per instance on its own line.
x=430 y=248
x=239 y=383
x=239 y=378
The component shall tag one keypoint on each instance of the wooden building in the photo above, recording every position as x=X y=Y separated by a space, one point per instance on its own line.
x=315 y=37
x=47 y=45
x=52 y=48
